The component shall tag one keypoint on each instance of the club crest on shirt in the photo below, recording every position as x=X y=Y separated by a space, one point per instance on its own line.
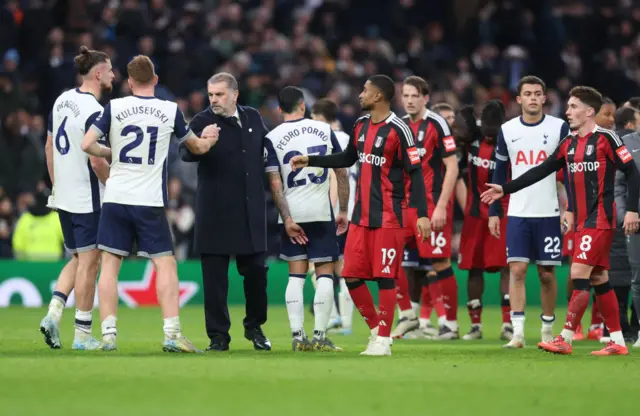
x=378 y=142
x=420 y=136
x=589 y=150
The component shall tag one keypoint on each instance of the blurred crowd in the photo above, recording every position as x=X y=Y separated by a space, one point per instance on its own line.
x=469 y=51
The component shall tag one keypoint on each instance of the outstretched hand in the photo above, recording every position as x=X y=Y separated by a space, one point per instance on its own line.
x=492 y=194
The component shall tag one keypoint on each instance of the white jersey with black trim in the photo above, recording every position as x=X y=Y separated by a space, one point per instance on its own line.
x=76 y=186
x=526 y=146
x=306 y=190
x=139 y=131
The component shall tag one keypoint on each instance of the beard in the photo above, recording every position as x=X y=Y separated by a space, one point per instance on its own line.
x=106 y=88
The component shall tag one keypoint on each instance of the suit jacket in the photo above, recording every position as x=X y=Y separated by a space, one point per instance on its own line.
x=230 y=197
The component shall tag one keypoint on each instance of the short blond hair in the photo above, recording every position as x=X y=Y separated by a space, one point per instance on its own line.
x=141 y=69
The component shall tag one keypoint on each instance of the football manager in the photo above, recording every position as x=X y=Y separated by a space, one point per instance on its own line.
x=231 y=212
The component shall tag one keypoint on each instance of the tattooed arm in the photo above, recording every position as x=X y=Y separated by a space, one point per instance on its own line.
x=294 y=231
x=277 y=192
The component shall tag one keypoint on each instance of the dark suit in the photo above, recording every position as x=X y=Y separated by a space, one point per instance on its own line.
x=231 y=217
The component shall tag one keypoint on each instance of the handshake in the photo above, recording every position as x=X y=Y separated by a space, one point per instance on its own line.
x=211 y=133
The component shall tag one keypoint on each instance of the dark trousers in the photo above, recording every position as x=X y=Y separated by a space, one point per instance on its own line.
x=215 y=282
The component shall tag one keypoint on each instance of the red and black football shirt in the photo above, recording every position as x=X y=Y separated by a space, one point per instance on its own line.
x=386 y=150
x=434 y=143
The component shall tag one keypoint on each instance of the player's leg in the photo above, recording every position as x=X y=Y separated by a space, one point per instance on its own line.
x=475 y=236
x=385 y=253
x=296 y=256
x=506 y=332
x=407 y=319
x=475 y=289
x=357 y=269
x=322 y=303
x=323 y=251
x=548 y=296
x=110 y=264
x=115 y=239
x=519 y=237
x=449 y=287
x=155 y=242
x=312 y=274
x=86 y=234
x=50 y=324
x=602 y=241
x=547 y=253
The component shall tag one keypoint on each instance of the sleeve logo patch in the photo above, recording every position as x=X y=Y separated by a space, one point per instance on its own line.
x=449 y=144
x=414 y=155
x=624 y=154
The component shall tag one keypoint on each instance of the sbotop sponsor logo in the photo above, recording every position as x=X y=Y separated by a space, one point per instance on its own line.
x=584 y=167
x=372 y=159
x=481 y=163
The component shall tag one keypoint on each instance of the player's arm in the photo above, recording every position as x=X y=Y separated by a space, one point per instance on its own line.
x=411 y=162
x=342 y=159
x=100 y=165
x=99 y=128
x=553 y=164
x=501 y=172
x=341 y=178
x=196 y=145
x=272 y=168
x=620 y=195
x=48 y=147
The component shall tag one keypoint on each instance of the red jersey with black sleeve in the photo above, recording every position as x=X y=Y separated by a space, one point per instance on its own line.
x=385 y=150
x=434 y=143
x=590 y=162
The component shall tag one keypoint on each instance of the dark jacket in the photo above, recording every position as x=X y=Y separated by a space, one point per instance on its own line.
x=619 y=272
x=230 y=198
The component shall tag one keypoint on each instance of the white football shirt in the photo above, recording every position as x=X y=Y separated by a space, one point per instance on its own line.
x=306 y=190
x=139 y=131
x=76 y=186
x=527 y=146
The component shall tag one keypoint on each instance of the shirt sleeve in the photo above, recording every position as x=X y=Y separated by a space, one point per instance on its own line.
x=502 y=161
x=102 y=125
x=335 y=143
x=50 y=124
x=180 y=128
x=409 y=152
x=564 y=130
x=446 y=142
x=271 y=163
x=624 y=162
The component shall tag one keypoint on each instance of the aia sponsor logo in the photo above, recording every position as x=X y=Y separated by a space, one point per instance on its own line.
x=379 y=160
x=624 y=154
x=583 y=167
x=482 y=163
x=531 y=157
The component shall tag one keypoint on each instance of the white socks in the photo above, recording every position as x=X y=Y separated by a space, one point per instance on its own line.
x=517 y=319
x=322 y=304
x=567 y=334
x=547 y=321
x=109 y=331
x=409 y=314
x=295 y=304
x=346 y=305
x=83 y=325
x=56 y=307
x=172 y=328
x=617 y=337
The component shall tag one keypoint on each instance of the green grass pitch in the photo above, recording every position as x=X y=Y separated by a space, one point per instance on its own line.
x=422 y=377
